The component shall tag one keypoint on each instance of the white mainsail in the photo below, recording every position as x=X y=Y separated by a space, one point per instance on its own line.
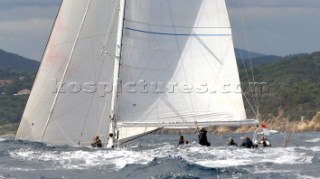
x=176 y=64
x=76 y=55
x=183 y=42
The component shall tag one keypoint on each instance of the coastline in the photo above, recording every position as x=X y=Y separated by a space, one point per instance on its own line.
x=277 y=124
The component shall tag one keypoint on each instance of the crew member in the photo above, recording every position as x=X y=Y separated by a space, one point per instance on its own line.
x=181 y=140
x=96 y=142
x=247 y=142
x=203 y=137
x=231 y=142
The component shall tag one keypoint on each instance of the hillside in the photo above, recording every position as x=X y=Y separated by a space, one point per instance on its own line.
x=12 y=106
x=17 y=63
x=245 y=58
x=294 y=85
x=257 y=61
x=244 y=54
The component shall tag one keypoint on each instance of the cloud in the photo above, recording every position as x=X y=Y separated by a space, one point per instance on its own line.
x=273 y=3
x=276 y=27
x=26 y=37
x=9 y=4
x=25 y=25
x=25 y=13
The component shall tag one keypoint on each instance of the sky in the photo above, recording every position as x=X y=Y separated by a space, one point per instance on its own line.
x=273 y=27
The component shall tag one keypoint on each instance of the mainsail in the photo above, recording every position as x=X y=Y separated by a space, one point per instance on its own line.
x=177 y=68
x=186 y=43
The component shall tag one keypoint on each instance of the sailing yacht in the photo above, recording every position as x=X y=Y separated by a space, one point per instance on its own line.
x=121 y=69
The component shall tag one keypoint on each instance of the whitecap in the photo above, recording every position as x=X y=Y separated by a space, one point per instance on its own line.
x=306 y=176
x=315 y=149
x=230 y=157
x=114 y=159
x=313 y=140
x=204 y=156
x=15 y=169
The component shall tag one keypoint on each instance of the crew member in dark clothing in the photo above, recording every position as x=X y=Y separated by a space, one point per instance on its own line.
x=203 y=137
x=96 y=142
x=181 y=140
x=247 y=142
x=231 y=142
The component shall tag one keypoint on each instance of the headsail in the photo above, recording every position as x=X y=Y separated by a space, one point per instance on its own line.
x=183 y=48
x=78 y=56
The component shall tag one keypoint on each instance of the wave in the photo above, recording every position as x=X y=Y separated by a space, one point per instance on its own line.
x=313 y=140
x=233 y=157
x=115 y=160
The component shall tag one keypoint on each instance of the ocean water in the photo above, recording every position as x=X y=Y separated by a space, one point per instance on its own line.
x=158 y=156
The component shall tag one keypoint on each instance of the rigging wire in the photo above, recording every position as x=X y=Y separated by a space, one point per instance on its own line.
x=254 y=97
x=38 y=73
x=110 y=29
x=250 y=104
x=105 y=47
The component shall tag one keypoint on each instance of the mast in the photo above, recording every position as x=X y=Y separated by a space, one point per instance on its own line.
x=112 y=127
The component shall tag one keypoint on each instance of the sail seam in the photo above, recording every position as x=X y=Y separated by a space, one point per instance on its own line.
x=177 y=26
x=110 y=29
x=174 y=34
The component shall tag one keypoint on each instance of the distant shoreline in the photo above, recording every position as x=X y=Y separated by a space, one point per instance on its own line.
x=274 y=124
x=8 y=135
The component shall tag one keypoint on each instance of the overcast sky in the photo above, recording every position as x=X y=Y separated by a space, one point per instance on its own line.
x=278 y=27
